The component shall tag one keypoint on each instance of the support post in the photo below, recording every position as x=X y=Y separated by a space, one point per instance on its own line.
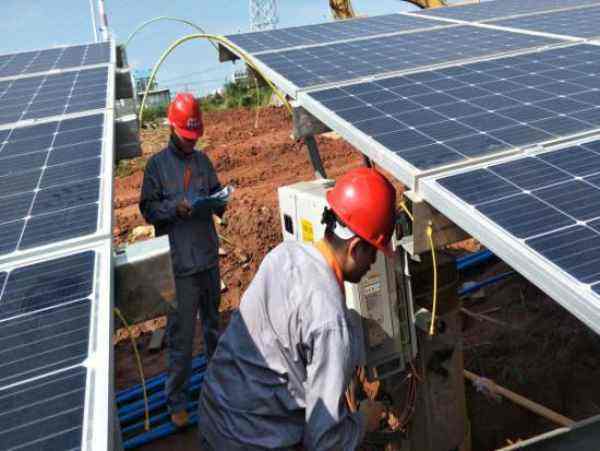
x=440 y=421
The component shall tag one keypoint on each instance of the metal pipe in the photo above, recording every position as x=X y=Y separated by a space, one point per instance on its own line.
x=93 y=16
x=475 y=259
x=519 y=400
x=492 y=280
x=103 y=21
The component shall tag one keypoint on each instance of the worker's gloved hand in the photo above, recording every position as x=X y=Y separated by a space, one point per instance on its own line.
x=183 y=209
x=374 y=412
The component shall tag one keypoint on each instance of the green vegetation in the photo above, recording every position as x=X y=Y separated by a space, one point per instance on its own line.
x=152 y=114
x=239 y=94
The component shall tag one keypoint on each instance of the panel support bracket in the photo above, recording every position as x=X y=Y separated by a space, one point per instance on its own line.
x=226 y=55
x=306 y=126
x=315 y=157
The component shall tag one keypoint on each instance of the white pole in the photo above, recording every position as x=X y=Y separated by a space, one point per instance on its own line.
x=93 y=14
x=103 y=21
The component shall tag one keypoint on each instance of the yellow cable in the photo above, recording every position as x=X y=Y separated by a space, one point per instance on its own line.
x=405 y=208
x=156 y=19
x=225 y=43
x=435 y=281
x=140 y=368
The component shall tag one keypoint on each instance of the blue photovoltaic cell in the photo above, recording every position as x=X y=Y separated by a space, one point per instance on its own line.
x=47 y=285
x=43 y=342
x=582 y=23
x=496 y=9
x=50 y=59
x=550 y=200
x=329 y=32
x=53 y=95
x=444 y=116
x=50 y=182
x=44 y=414
x=345 y=61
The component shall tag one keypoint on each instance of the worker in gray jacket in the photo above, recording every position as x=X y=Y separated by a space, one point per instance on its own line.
x=174 y=198
x=278 y=376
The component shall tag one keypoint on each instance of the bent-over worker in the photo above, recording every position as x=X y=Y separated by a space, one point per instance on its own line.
x=278 y=376
x=174 y=180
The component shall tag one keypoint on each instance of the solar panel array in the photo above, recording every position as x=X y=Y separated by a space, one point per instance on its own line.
x=50 y=181
x=434 y=118
x=53 y=59
x=506 y=8
x=53 y=95
x=582 y=23
x=318 y=65
x=491 y=86
x=329 y=32
x=549 y=203
x=56 y=157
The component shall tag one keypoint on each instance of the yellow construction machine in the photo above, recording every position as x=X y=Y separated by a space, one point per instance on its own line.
x=342 y=9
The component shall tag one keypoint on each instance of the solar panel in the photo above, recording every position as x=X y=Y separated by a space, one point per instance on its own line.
x=329 y=32
x=432 y=119
x=44 y=414
x=582 y=23
x=44 y=342
x=313 y=66
x=51 y=59
x=51 y=187
x=46 y=285
x=505 y=8
x=547 y=203
x=55 y=339
x=53 y=95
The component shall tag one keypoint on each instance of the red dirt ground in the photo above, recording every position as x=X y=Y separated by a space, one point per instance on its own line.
x=547 y=355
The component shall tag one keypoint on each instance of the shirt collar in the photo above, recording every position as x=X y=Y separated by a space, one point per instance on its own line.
x=325 y=249
x=177 y=151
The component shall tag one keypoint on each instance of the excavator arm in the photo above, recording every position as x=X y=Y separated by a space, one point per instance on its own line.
x=342 y=9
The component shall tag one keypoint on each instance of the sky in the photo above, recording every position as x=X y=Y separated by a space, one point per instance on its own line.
x=38 y=24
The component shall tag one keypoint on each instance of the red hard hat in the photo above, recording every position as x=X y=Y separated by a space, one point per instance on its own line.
x=185 y=116
x=366 y=202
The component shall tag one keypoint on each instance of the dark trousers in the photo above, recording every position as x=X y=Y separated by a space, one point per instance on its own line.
x=201 y=293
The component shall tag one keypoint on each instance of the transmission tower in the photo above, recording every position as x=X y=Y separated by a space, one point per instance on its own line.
x=263 y=15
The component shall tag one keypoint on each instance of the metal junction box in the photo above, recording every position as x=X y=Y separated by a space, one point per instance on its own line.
x=386 y=317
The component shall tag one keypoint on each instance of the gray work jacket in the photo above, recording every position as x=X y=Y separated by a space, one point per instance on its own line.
x=278 y=376
x=194 y=241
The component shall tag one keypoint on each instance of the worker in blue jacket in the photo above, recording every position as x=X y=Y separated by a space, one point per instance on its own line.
x=175 y=200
